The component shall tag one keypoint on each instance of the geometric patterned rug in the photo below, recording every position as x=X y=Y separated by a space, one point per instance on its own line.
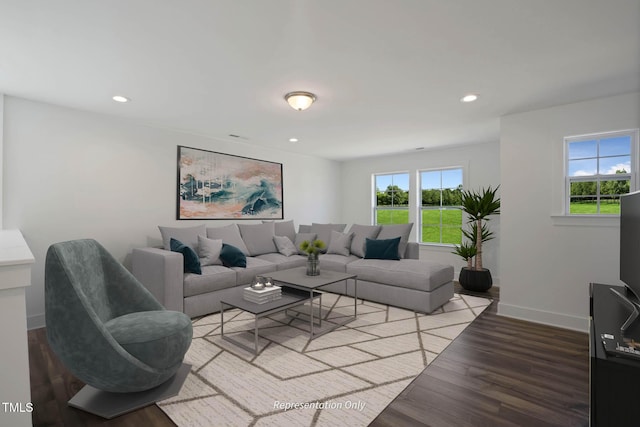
x=345 y=377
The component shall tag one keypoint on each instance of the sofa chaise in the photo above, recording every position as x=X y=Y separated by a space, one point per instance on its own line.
x=230 y=256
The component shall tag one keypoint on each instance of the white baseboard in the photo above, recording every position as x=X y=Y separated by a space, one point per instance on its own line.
x=575 y=323
x=35 y=322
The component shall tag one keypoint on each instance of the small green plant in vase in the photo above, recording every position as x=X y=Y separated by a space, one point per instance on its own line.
x=312 y=248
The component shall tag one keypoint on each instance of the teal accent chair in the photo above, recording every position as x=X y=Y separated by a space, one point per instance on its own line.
x=104 y=326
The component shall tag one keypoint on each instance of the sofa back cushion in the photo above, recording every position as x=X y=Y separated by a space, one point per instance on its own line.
x=397 y=230
x=187 y=235
x=304 y=228
x=258 y=238
x=284 y=228
x=360 y=234
x=229 y=234
x=301 y=237
x=323 y=231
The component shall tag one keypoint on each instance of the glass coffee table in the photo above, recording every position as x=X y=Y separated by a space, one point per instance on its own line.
x=297 y=278
x=291 y=297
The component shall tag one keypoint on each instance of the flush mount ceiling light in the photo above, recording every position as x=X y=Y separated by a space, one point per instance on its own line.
x=469 y=98
x=300 y=100
x=293 y=139
x=120 y=98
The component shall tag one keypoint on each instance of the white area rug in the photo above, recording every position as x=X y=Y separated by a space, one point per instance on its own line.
x=346 y=377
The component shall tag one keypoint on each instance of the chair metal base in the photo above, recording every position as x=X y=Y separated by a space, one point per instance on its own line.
x=110 y=405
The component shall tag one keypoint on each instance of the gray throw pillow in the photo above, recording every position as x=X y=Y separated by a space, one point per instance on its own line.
x=229 y=234
x=258 y=238
x=340 y=243
x=301 y=237
x=209 y=251
x=285 y=245
x=395 y=230
x=360 y=234
x=186 y=235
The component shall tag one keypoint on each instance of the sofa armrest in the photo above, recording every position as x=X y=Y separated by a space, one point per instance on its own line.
x=412 y=251
x=161 y=272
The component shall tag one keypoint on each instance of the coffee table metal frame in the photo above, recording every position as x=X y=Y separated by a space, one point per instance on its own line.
x=290 y=298
x=296 y=278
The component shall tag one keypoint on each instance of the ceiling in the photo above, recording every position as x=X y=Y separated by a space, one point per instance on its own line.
x=388 y=75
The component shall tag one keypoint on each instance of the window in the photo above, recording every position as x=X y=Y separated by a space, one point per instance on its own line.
x=440 y=213
x=599 y=168
x=391 y=204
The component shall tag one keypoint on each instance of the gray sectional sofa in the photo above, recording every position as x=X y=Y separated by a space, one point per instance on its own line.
x=407 y=282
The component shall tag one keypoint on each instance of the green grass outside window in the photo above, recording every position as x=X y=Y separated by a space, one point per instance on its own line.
x=451 y=224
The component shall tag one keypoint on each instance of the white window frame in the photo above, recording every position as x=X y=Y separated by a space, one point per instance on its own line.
x=632 y=175
x=420 y=208
x=374 y=201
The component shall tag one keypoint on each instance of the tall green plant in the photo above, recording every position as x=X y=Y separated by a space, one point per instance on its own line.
x=478 y=206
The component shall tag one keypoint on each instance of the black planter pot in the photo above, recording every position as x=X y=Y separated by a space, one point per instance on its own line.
x=478 y=281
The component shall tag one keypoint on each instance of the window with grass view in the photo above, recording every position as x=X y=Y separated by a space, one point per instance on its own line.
x=440 y=214
x=600 y=168
x=392 y=199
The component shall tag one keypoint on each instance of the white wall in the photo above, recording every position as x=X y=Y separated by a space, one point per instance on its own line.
x=481 y=163
x=548 y=261
x=1 y=151
x=70 y=174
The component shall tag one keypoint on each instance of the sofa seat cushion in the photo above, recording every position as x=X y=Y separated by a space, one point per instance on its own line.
x=336 y=262
x=416 y=274
x=213 y=278
x=158 y=338
x=255 y=267
x=283 y=262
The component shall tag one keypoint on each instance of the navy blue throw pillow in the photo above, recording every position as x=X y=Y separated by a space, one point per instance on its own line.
x=191 y=260
x=232 y=256
x=382 y=249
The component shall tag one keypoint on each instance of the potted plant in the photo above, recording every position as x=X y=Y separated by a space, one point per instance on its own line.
x=478 y=205
x=312 y=248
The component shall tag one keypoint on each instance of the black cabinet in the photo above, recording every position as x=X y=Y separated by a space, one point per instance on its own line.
x=614 y=380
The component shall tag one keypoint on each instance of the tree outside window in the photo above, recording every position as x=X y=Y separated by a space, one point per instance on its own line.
x=392 y=198
x=440 y=213
x=600 y=168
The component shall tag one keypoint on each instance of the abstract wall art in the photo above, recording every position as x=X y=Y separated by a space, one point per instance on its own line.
x=222 y=186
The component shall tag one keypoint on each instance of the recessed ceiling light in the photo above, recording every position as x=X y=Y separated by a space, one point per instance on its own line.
x=469 y=98
x=293 y=139
x=120 y=98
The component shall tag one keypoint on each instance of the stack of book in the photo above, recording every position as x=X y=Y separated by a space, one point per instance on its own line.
x=260 y=296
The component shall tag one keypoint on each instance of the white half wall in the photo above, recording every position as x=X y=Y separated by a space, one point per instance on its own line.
x=481 y=163
x=547 y=261
x=70 y=174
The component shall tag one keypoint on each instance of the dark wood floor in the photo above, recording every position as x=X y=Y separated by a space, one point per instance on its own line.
x=498 y=372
